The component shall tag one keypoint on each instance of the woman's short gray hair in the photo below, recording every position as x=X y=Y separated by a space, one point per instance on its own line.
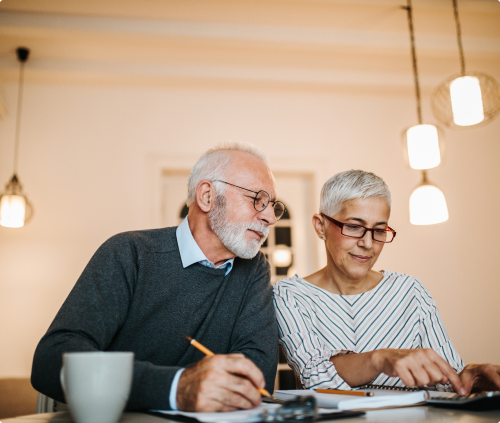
x=213 y=164
x=351 y=185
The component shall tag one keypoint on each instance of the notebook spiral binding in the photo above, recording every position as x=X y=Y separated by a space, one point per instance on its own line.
x=390 y=388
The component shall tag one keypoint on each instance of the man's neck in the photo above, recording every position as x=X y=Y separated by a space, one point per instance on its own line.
x=207 y=240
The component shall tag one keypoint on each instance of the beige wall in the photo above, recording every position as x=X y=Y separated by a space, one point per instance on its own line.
x=83 y=163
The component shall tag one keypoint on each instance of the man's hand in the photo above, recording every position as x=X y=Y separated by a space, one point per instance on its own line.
x=220 y=383
x=480 y=377
x=418 y=367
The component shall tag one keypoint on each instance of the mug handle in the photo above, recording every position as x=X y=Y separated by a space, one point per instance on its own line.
x=61 y=378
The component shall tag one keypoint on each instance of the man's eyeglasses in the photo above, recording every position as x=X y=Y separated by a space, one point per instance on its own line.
x=261 y=200
x=357 y=231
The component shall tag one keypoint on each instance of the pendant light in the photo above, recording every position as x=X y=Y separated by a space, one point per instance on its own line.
x=15 y=209
x=466 y=99
x=427 y=204
x=422 y=143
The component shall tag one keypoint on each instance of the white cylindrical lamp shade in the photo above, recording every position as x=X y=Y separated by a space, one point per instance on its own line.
x=422 y=142
x=428 y=206
x=282 y=256
x=12 y=211
x=466 y=101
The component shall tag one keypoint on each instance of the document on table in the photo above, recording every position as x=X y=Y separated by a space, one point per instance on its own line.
x=380 y=399
x=247 y=416
x=240 y=416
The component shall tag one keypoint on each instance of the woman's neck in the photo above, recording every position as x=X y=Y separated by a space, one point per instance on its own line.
x=333 y=280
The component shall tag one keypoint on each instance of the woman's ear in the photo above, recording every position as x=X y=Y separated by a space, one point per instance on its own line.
x=319 y=226
x=205 y=194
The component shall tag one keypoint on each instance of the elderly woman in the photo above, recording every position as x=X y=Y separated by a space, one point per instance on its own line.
x=348 y=325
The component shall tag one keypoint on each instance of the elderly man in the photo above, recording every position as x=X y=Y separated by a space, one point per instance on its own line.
x=144 y=291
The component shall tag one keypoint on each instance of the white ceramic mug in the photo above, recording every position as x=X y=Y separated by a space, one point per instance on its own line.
x=97 y=384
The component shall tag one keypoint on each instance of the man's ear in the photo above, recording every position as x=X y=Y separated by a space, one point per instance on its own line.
x=205 y=195
x=318 y=222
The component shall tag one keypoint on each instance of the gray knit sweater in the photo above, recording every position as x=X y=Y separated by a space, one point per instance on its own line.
x=134 y=295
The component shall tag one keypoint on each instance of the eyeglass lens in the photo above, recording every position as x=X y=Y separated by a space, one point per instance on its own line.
x=262 y=200
x=355 y=231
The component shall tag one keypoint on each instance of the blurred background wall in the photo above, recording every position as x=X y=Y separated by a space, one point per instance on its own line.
x=117 y=92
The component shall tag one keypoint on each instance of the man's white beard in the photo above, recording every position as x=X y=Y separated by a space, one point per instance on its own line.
x=232 y=235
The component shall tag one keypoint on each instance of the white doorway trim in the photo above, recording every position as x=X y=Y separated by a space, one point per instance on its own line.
x=159 y=164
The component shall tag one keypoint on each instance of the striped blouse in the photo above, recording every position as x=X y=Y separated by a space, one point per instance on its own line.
x=315 y=325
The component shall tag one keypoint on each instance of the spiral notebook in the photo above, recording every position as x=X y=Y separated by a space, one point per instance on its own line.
x=389 y=388
x=381 y=398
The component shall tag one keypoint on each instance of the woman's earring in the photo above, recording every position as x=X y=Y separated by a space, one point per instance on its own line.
x=322 y=237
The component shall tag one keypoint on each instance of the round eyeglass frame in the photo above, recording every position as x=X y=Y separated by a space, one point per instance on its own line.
x=274 y=203
x=341 y=226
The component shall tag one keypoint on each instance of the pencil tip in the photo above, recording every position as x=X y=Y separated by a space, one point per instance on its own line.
x=189 y=339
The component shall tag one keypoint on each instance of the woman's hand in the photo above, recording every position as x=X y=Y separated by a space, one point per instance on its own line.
x=480 y=377
x=421 y=367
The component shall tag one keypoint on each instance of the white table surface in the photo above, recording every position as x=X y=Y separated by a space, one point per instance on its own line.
x=402 y=415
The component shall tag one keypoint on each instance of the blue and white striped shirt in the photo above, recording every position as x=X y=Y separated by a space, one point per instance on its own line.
x=315 y=325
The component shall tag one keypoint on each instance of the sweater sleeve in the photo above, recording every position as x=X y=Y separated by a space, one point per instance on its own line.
x=93 y=313
x=306 y=353
x=433 y=332
x=255 y=333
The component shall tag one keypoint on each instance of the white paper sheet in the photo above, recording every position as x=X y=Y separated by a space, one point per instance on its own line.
x=240 y=416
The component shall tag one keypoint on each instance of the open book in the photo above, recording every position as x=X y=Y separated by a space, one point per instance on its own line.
x=380 y=398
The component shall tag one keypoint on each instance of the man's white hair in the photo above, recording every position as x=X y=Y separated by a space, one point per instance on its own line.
x=351 y=185
x=213 y=164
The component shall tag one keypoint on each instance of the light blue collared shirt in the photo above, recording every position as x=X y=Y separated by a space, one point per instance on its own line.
x=190 y=251
x=190 y=254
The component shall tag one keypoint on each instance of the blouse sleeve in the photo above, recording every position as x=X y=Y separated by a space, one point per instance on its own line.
x=308 y=356
x=434 y=335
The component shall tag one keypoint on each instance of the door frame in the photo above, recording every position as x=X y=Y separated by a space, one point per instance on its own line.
x=157 y=165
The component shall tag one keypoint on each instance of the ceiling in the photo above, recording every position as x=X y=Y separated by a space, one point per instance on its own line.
x=355 y=45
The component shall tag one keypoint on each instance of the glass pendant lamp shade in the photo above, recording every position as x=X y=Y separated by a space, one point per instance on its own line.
x=282 y=256
x=460 y=102
x=427 y=205
x=15 y=209
x=12 y=211
x=466 y=101
x=422 y=142
x=427 y=202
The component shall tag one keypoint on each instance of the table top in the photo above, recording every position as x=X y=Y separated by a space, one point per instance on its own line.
x=403 y=415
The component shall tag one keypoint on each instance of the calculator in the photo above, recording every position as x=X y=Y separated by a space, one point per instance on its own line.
x=479 y=402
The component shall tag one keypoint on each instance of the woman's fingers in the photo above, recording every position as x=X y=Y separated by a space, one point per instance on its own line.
x=491 y=374
x=452 y=376
x=480 y=377
x=435 y=373
x=422 y=367
x=406 y=376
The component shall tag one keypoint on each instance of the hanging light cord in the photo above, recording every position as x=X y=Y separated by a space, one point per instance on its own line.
x=408 y=8
x=459 y=37
x=19 y=108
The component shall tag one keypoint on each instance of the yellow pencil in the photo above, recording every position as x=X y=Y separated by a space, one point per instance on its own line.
x=340 y=392
x=206 y=351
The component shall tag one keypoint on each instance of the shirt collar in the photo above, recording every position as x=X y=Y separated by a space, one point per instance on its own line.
x=190 y=251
